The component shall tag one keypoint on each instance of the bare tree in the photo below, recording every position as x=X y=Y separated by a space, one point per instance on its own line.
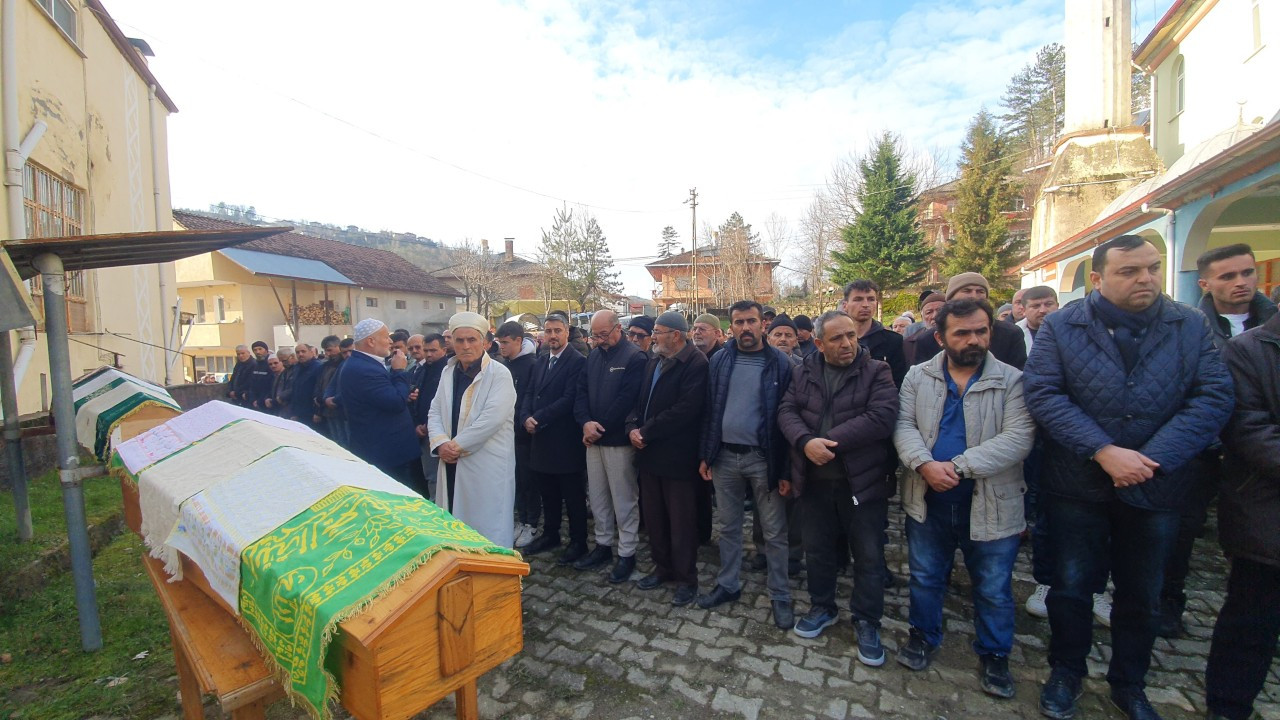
x=482 y=276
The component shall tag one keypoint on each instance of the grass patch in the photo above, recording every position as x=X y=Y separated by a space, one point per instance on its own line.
x=101 y=501
x=51 y=678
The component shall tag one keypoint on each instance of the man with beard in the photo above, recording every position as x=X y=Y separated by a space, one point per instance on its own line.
x=742 y=448
x=557 y=456
x=663 y=428
x=962 y=433
x=375 y=399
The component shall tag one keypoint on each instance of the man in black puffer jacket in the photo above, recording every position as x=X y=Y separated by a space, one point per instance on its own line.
x=1128 y=388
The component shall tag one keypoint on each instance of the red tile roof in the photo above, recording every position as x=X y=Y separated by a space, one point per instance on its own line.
x=368 y=267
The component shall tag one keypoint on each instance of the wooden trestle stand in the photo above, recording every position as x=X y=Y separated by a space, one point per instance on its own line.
x=454 y=619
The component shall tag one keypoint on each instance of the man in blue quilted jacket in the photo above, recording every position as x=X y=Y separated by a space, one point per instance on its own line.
x=1129 y=388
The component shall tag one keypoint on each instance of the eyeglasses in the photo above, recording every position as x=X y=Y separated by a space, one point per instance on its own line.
x=637 y=334
x=604 y=335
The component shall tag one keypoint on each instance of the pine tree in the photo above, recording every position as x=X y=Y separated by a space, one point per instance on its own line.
x=1035 y=107
x=576 y=256
x=981 y=242
x=884 y=243
x=669 y=242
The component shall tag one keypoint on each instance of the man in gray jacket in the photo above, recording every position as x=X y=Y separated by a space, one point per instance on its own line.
x=962 y=434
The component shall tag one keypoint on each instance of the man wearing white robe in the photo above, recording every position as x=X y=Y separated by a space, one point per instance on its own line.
x=476 y=446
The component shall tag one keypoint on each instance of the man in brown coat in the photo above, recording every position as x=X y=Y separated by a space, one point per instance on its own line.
x=836 y=415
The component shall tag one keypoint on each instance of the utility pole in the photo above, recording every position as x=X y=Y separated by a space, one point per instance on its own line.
x=692 y=202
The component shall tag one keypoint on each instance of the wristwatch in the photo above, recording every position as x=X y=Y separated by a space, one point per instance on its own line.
x=956 y=467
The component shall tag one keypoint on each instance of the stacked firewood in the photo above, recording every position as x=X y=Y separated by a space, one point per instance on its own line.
x=318 y=314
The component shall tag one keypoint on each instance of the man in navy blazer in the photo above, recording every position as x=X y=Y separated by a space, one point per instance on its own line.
x=375 y=399
x=557 y=456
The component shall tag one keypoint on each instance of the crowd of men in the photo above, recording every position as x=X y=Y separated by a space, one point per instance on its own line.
x=1101 y=431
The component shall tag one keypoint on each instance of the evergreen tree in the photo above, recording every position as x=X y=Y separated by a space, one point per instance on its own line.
x=884 y=243
x=1035 y=107
x=575 y=254
x=669 y=242
x=981 y=241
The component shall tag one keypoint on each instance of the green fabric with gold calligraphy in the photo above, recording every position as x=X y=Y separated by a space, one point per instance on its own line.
x=327 y=564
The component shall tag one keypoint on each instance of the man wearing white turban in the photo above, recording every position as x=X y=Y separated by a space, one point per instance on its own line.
x=471 y=428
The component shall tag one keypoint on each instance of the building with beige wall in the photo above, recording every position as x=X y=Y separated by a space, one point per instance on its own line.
x=100 y=167
x=240 y=295
x=1214 y=141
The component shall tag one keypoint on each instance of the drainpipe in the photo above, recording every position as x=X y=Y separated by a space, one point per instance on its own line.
x=1171 y=243
x=165 y=335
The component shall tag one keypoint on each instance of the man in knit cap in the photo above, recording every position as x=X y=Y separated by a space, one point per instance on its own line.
x=929 y=306
x=782 y=335
x=804 y=336
x=706 y=334
x=664 y=428
x=640 y=333
x=374 y=392
x=1006 y=338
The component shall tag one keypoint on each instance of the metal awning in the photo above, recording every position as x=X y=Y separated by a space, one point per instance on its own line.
x=285 y=266
x=89 y=252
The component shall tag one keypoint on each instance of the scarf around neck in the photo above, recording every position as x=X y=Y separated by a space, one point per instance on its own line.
x=1127 y=328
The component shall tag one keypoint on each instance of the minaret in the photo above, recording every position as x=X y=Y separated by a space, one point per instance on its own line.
x=1099 y=41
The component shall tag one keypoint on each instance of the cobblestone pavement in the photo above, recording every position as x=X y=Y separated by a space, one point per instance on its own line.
x=595 y=650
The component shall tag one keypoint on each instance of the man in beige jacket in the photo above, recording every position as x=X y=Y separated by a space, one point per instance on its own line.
x=962 y=434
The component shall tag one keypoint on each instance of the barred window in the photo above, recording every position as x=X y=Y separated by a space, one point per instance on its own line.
x=54 y=208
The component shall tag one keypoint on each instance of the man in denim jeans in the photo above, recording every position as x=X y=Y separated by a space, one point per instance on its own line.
x=963 y=432
x=1128 y=388
x=742 y=448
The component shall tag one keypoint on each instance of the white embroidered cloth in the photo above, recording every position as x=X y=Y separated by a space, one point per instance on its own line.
x=165 y=485
x=218 y=523
x=105 y=376
x=192 y=426
x=87 y=414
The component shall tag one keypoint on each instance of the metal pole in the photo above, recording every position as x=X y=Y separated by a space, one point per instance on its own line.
x=13 y=438
x=64 y=420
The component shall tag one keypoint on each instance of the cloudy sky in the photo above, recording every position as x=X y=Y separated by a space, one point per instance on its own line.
x=478 y=118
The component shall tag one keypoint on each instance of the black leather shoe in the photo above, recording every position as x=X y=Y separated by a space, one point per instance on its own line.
x=994 y=676
x=1170 y=623
x=649 y=582
x=1059 y=695
x=622 y=570
x=684 y=595
x=594 y=559
x=572 y=554
x=758 y=562
x=541 y=544
x=717 y=597
x=783 y=614
x=1132 y=701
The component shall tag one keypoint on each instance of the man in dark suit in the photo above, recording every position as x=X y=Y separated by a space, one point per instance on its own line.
x=557 y=455
x=1007 y=343
x=664 y=429
x=376 y=398
x=520 y=355
x=425 y=378
x=305 y=373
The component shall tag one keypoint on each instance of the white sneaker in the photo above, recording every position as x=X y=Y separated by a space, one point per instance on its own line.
x=1102 y=609
x=524 y=534
x=1035 y=604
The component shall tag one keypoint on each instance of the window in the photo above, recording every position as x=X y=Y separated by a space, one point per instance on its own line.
x=63 y=14
x=426 y=305
x=441 y=306
x=200 y=310
x=371 y=302
x=53 y=208
x=1179 y=85
x=402 y=305
x=222 y=309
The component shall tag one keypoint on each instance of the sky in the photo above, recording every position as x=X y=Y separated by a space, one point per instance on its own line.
x=478 y=119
